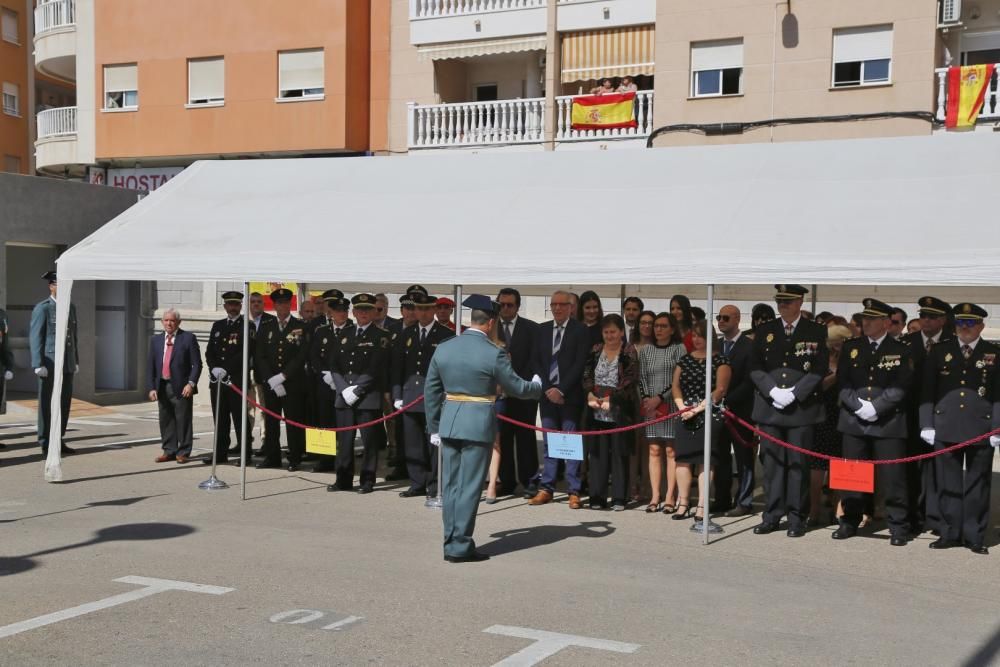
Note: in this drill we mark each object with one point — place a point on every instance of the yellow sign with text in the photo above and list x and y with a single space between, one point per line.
321 442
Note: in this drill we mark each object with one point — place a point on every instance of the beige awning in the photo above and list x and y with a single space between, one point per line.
481 47
595 54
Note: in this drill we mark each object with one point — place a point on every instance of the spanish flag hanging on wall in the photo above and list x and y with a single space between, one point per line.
967 88
603 112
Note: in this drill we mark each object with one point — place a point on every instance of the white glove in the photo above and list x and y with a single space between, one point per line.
866 411
218 372
995 441
927 435
536 380
350 395
397 404
328 379
280 391
781 398
42 372
8 375
435 439
76 369
275 381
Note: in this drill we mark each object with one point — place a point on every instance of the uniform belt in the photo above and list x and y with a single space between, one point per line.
465 398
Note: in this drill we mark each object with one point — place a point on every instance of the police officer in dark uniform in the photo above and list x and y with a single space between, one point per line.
359 371
411 356
787 365
323 339
960 401
875 374
280 354
397 457
922 487
224 356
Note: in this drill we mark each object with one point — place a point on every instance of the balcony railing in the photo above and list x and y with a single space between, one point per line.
477 123
643 116
420 9
991 104
54 14
60 122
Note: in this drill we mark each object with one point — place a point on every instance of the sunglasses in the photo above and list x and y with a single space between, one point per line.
930 316
967 324
722 318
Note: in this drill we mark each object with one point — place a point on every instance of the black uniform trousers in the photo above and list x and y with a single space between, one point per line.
922 485
45 388
965 496
420 455
745 463
176 426
292 406
786 474
372 438
604 452
518 445
326 417
227 412
891 480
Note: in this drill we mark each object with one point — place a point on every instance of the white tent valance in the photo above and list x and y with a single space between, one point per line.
483 47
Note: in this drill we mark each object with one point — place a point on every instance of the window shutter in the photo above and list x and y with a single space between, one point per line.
206 79
300 70
118 78
721 54
868 43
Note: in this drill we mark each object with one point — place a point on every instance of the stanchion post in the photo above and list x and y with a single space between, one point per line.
707 526
213 483
245 407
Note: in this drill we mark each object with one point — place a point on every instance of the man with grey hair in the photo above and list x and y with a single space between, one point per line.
172 371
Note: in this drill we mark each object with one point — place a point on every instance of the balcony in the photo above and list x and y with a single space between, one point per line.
55 148
441 21
511 123
990 112
55 39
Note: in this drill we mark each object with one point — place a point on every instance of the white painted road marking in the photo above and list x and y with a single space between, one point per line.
303 616
151 586
343 623
547 644
142 440
86 421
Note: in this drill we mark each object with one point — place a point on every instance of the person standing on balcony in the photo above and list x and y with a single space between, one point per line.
627 85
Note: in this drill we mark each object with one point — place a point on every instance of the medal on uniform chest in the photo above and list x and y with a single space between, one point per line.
324 341
218 333
854 353
270 334
409 342
982 392
806 366
343 341
770 338
948 357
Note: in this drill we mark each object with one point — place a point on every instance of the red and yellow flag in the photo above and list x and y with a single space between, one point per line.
967 88
603 112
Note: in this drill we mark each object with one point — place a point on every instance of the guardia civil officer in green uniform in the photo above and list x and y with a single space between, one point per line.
459 396
42 340
6 359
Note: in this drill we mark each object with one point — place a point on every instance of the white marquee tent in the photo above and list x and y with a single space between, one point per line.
918 211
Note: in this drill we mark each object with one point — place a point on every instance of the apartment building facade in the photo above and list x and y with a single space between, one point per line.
15 112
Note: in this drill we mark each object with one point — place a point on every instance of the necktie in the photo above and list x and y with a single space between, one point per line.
554 364
506 333
874 347
928 344
336 332
168 350
423 335
788 330
727 347
967 351
281 326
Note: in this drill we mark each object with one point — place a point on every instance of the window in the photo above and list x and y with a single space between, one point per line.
717 68
12 164
485 92
11 99
300 74
8 19
862 56
121 89
206 81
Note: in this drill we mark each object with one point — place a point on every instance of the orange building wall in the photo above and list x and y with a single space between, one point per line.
162 36
15 138
381 25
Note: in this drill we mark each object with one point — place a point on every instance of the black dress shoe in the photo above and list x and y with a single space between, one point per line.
942 543
397 476
897 541
235 451
795 532
978 549
410 493
67 451
765 528
293 467
268 464
365 488
843 532
474 557
739 510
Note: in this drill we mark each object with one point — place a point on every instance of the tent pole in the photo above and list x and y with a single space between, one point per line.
706 523
245 448
814 301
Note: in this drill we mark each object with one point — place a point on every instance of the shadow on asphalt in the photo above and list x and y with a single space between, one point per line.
117 502
120 533
985 655
517 539
37 456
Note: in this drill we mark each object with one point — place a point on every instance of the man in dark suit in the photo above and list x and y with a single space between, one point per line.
560 353
382 319
172 372
322 341
42 341
961 401
258 316
518 445
411 357
787 365
737 349
224 358
280 355
358 369
395 429
874 375
922 486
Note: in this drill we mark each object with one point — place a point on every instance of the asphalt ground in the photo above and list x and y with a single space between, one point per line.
344 579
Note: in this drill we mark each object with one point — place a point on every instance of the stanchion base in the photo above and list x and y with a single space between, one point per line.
433 503
213 483
713 528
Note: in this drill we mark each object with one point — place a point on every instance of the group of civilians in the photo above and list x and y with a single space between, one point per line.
607 86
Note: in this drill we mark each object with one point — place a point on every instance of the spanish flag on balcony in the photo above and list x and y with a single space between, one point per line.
967 88
603 112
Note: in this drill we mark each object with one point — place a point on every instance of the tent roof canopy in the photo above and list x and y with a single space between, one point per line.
854 212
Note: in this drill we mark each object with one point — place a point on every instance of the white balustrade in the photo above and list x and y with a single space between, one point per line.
58 122
435 8
642 110
54 14
991 104
476 123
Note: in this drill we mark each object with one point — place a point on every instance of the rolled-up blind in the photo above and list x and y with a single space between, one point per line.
720 54
868 43
206 79
300 70
118 78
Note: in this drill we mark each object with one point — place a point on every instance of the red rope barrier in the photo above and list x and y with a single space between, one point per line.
907 459
620 429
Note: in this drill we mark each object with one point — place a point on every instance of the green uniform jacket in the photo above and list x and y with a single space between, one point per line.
470 365
42 337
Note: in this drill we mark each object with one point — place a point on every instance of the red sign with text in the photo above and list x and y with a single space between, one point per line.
852 476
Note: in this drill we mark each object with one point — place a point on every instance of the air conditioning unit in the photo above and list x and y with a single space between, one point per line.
950 12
